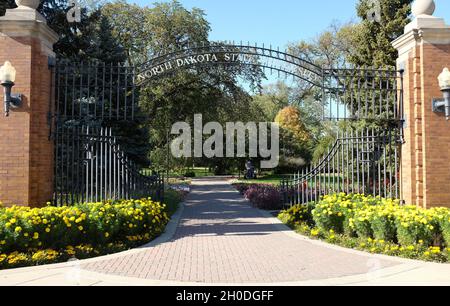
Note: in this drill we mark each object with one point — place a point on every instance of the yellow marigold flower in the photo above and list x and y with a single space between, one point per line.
315 232
47 230
3 242
18 229
436 251
80 228
12 221
36 236
106 234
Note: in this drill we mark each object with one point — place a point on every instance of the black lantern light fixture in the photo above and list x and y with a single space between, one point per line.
443 105
7 78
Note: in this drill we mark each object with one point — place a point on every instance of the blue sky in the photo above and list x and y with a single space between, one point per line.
277 22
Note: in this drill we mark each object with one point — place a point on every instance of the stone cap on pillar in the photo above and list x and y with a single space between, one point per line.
26 10
422 11
25 21
425 28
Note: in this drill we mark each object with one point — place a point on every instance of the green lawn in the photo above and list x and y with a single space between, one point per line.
200 172
273 179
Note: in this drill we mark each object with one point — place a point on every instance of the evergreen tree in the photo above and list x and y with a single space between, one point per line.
103 46
372 38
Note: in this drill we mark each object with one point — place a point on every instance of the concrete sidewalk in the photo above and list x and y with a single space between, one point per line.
216 239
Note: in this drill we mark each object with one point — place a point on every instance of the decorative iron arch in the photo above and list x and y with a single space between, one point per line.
110 91
217 53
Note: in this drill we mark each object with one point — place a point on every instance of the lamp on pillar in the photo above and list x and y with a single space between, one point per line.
443 105
7 78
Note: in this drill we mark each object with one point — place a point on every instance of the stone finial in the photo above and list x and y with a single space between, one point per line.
423 7
33 4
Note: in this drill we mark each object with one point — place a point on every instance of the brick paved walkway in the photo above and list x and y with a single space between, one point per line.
221 239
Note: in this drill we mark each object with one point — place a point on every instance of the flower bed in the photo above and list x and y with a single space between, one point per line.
263 196
31 236
376 225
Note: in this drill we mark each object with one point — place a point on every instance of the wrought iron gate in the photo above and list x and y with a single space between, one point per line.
365 157
92 96
364 162
90 165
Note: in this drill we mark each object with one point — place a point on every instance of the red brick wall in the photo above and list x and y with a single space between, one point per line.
426 153
26 154
435 129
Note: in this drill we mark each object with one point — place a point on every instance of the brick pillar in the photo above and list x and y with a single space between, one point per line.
26 152
424 50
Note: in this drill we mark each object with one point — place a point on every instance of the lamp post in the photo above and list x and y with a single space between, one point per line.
7 78
444 84
443 105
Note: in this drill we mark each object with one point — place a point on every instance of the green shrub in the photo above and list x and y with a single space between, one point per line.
190 174
298 214
383 221
444 223
362 222
416 225
336 212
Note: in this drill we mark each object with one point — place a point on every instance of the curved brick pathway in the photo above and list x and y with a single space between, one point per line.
221 239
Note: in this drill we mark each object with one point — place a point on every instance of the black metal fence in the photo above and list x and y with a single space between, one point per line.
364 161
91 167
363 94
95 91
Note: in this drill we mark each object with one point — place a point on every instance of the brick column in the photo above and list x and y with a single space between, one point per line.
424 50
26 152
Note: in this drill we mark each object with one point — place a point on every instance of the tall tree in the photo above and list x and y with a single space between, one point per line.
372 38
295 139
145 32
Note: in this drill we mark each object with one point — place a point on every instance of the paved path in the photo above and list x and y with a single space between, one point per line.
220 239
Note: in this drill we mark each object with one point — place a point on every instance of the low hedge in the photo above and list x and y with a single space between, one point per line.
45 234
369 218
